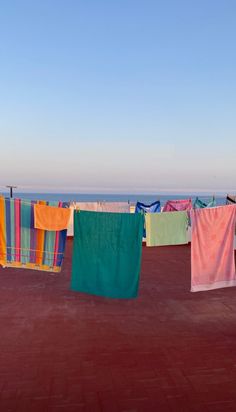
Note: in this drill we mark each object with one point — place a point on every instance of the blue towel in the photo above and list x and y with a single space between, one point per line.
154 207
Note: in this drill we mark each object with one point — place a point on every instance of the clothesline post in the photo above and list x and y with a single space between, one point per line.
11 189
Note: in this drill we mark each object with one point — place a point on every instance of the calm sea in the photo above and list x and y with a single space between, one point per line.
147 199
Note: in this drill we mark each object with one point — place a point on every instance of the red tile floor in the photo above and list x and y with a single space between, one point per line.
167 350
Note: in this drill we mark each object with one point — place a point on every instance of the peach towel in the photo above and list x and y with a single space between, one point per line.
89 206
212 248
116 207
51 218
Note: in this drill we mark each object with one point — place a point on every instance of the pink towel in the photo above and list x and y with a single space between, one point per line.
175 205
212 248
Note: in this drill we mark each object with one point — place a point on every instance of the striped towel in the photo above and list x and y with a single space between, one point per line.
21 245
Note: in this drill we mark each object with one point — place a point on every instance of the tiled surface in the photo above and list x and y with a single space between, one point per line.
169 350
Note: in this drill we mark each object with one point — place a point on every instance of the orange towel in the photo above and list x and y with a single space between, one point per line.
50 217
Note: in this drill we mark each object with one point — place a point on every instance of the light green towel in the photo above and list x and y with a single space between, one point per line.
107 253
166 228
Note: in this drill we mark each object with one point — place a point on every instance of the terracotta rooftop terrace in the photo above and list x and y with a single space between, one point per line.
168 350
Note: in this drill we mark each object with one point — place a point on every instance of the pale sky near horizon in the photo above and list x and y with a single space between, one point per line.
118 96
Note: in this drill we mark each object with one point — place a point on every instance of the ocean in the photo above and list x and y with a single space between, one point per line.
131 198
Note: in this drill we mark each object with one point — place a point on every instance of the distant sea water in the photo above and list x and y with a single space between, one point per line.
144 198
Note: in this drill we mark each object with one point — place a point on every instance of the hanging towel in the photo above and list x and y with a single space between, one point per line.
231 199
70 229
132 209
51 218
88 206
212 248
2 231
23 246
154 207
166 228
175 205
199 204
107 253
114 207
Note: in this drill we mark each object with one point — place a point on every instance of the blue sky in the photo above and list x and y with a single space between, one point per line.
118 96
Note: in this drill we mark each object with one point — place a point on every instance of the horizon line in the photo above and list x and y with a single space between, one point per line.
124 193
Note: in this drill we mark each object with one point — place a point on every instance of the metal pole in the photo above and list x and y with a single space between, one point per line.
11 189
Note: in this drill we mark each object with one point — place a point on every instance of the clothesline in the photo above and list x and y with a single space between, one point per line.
34 201
107 246
70 202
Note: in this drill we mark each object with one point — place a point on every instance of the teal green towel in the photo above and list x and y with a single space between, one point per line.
166 228
107 253
199 204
